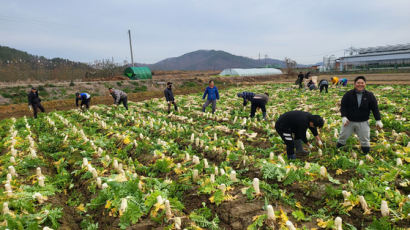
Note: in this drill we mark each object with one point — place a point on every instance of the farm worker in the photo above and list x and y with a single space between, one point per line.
119 96
334 80
307 75
311 85
300 79
213 95
247 96
292 127
85 99
169 96
343 82
355 110
259 101
323 84
34 102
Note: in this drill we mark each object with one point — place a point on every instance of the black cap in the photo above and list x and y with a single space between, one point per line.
33 88
169 83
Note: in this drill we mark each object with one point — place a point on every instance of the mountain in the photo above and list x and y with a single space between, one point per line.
212 60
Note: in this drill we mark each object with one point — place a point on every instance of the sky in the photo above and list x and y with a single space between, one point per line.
303 30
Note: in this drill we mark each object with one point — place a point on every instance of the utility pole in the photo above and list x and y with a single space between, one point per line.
132 57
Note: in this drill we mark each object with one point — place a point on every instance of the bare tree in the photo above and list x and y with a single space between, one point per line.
290 66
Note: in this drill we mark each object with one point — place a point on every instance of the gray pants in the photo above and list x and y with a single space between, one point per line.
362 130
207 102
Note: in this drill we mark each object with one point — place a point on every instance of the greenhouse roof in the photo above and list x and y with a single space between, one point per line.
250 72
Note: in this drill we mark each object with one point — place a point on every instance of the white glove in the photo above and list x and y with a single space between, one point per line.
30 107
320 143
379 124
344 120
310 146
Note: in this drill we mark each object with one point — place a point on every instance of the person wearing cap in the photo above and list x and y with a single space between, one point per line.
34 102
257 101
119 96
311 85
247 96
355 110
213 95
342 82
169 96
323 84
85 99
292 127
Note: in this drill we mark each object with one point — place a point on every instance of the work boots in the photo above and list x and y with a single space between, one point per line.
299 148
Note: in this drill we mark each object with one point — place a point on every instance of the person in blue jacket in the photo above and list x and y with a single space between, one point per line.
85 99
343 82
213 95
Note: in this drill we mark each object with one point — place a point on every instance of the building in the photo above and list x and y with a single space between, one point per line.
373 58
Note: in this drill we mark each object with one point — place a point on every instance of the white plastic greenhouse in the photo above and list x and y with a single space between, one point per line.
250 72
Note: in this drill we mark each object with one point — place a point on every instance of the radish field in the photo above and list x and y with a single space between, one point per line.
109 168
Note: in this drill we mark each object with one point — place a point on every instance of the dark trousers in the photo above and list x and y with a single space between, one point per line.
39 106
207 102
124 101
286 136
258 104
300 83
169 106
324 87
86 103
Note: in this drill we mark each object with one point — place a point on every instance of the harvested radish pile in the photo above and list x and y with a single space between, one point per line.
109 168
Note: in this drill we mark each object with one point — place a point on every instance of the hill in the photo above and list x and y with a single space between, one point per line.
212 60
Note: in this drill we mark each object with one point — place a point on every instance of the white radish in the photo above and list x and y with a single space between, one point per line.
124 204
399 162
178 223
222 187
212 179
281 160
270 213
168 212
363 203
160 200
290 225
6 209
384 208
12 171
338 223
41 181
271 155
323 171
255 184
206 163
195 176
99 182
233 176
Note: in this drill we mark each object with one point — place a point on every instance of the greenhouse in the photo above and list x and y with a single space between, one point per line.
250 72
135 73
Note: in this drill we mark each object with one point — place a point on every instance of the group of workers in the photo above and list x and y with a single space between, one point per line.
355 109
311 82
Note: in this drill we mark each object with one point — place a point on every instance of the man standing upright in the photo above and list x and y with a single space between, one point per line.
169 96
34 102
213 95
355 109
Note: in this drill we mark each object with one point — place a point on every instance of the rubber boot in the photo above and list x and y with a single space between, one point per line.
291 156
299 148
365 149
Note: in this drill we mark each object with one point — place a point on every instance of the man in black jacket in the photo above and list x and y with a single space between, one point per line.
292 127
34 102
300 79
169 96
355 109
